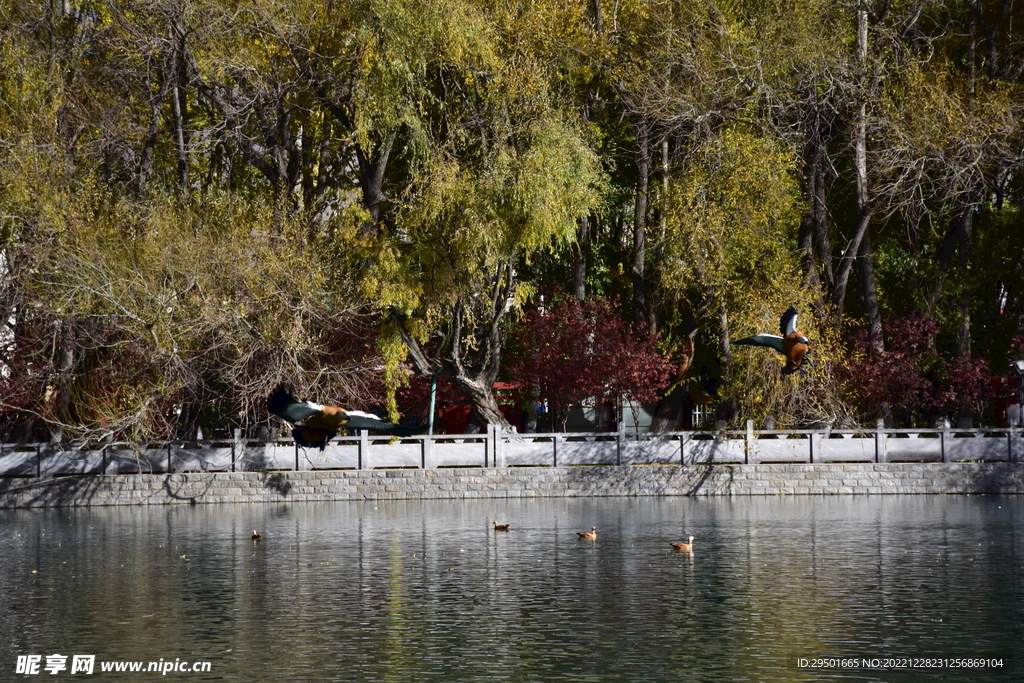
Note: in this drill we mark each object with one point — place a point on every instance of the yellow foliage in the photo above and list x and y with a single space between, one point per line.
731 227
218 291
732 219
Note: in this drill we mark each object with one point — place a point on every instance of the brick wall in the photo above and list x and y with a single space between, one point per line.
518 482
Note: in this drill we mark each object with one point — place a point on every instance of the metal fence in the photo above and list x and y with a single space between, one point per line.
496 449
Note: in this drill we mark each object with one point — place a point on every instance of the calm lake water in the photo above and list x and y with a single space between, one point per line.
427 591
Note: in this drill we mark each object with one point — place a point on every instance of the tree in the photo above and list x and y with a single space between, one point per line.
472 226
910 378
504 174
163 342
435 163
574 351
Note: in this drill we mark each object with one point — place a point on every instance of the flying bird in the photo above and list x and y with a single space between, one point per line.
315 425
792 344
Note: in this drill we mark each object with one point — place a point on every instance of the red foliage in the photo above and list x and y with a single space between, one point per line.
575 351
213 383
1017 347
414 399
965 380
910 376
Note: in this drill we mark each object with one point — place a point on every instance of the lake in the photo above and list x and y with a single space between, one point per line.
791 588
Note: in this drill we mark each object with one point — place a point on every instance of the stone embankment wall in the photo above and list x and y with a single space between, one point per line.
516 482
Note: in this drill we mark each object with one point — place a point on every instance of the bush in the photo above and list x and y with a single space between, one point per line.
911 381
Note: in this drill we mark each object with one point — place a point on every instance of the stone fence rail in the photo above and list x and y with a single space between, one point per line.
496 449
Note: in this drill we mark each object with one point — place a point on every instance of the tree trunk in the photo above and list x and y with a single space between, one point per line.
958 238
808 230
371 168
726 350
726 407
145 168
865 208
819 210
643 165
654 306
963 330
869 294
481 396
963 335
372 175
58 394
473 369
666 414
579 258
914 248
179 103
846 264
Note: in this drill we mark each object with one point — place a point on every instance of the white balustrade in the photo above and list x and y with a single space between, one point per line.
495 449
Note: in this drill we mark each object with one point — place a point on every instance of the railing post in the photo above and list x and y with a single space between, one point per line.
880 440
555 439
236 447
684 443
364 450
748 439
619 439
425 451
499 449
489 444
496 436
944 444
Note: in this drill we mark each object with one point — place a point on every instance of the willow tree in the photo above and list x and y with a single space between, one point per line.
164 339
149 276
732 225
37 177
489 195
949 143
445 122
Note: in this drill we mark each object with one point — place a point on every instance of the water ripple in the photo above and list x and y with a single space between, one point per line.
427 591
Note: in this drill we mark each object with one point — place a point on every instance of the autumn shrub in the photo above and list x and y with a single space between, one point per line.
149 320
572 352
910 380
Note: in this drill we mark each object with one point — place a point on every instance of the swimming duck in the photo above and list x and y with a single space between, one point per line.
315 424
793 344
256 536
588 535
500 527
684 547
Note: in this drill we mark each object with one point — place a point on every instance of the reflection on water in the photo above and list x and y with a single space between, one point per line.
427 591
